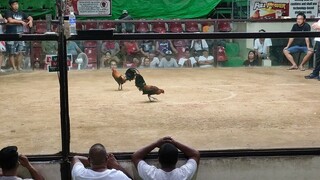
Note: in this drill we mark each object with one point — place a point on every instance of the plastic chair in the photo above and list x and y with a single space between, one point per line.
142 27
41 27
224 26
159 27
91 25
192 26
175 27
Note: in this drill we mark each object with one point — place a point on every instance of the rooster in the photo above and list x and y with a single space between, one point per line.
120 79
131 73
147 89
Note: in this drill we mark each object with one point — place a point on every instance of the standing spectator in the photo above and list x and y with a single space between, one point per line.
102 166
251 60
168 61
315 72
2 43
187 60
163 46
9 163
16 23
205 60
261 46
197 46
73 49
168 157
126 27
296 45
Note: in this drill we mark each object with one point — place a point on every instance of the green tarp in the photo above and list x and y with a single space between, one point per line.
138 9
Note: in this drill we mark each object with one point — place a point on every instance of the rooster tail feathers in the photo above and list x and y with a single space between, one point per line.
139 81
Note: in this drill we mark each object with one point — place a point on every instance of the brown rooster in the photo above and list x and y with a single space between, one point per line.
120 79
147 89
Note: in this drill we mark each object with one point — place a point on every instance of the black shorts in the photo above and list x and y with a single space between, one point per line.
15 47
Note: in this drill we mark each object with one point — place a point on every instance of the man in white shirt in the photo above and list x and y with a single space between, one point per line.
261 46
186 60
197 46
168 61
205 60
168 157
102 166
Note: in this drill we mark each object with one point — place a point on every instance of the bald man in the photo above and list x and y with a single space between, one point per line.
102 166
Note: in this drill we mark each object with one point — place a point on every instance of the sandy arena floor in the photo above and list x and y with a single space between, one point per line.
221 108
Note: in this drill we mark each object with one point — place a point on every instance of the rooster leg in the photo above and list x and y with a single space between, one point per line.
152 98
119 87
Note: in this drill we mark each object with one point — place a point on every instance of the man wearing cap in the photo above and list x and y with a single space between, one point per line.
16 23
168 61
126 27
168 157
9 163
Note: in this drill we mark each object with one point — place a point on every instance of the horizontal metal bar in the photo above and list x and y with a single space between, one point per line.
28 37
203 154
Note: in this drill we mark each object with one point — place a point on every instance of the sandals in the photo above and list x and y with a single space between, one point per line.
302 68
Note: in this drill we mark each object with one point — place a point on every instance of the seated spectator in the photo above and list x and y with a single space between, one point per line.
252 59
208 26
186 60
155 61
99 165
205 60
126 27
107 58
145 62
168 61
73 49
181 45
9 163
111 47
261 46
168 157
147 46
163 46
197 46
132 52
113 64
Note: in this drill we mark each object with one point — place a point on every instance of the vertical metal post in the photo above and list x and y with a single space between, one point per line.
64 99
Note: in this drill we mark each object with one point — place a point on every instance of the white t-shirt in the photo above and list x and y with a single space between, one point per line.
185 172
183 59
155 62
199 46
79 172
202 58
12 178
262 48
167 64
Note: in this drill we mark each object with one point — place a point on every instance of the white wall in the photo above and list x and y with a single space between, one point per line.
232 168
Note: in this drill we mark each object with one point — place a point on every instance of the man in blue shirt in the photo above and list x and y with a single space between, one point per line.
16 23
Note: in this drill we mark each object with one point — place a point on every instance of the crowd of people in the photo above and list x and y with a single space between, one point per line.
102 165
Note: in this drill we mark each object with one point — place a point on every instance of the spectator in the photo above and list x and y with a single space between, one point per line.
315 72
197 46
252 59
147 46
113 48
208 26
145 62
2 43
106 60
9 163
187 60
73 49
181 45
132 54
126 27
164 46
298 45
168 157
102 166
168 61
155 61
49 47
113 64
261 46
205 60
16 24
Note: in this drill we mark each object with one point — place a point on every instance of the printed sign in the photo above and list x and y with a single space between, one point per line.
262 9
308 7
88 7
53 63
